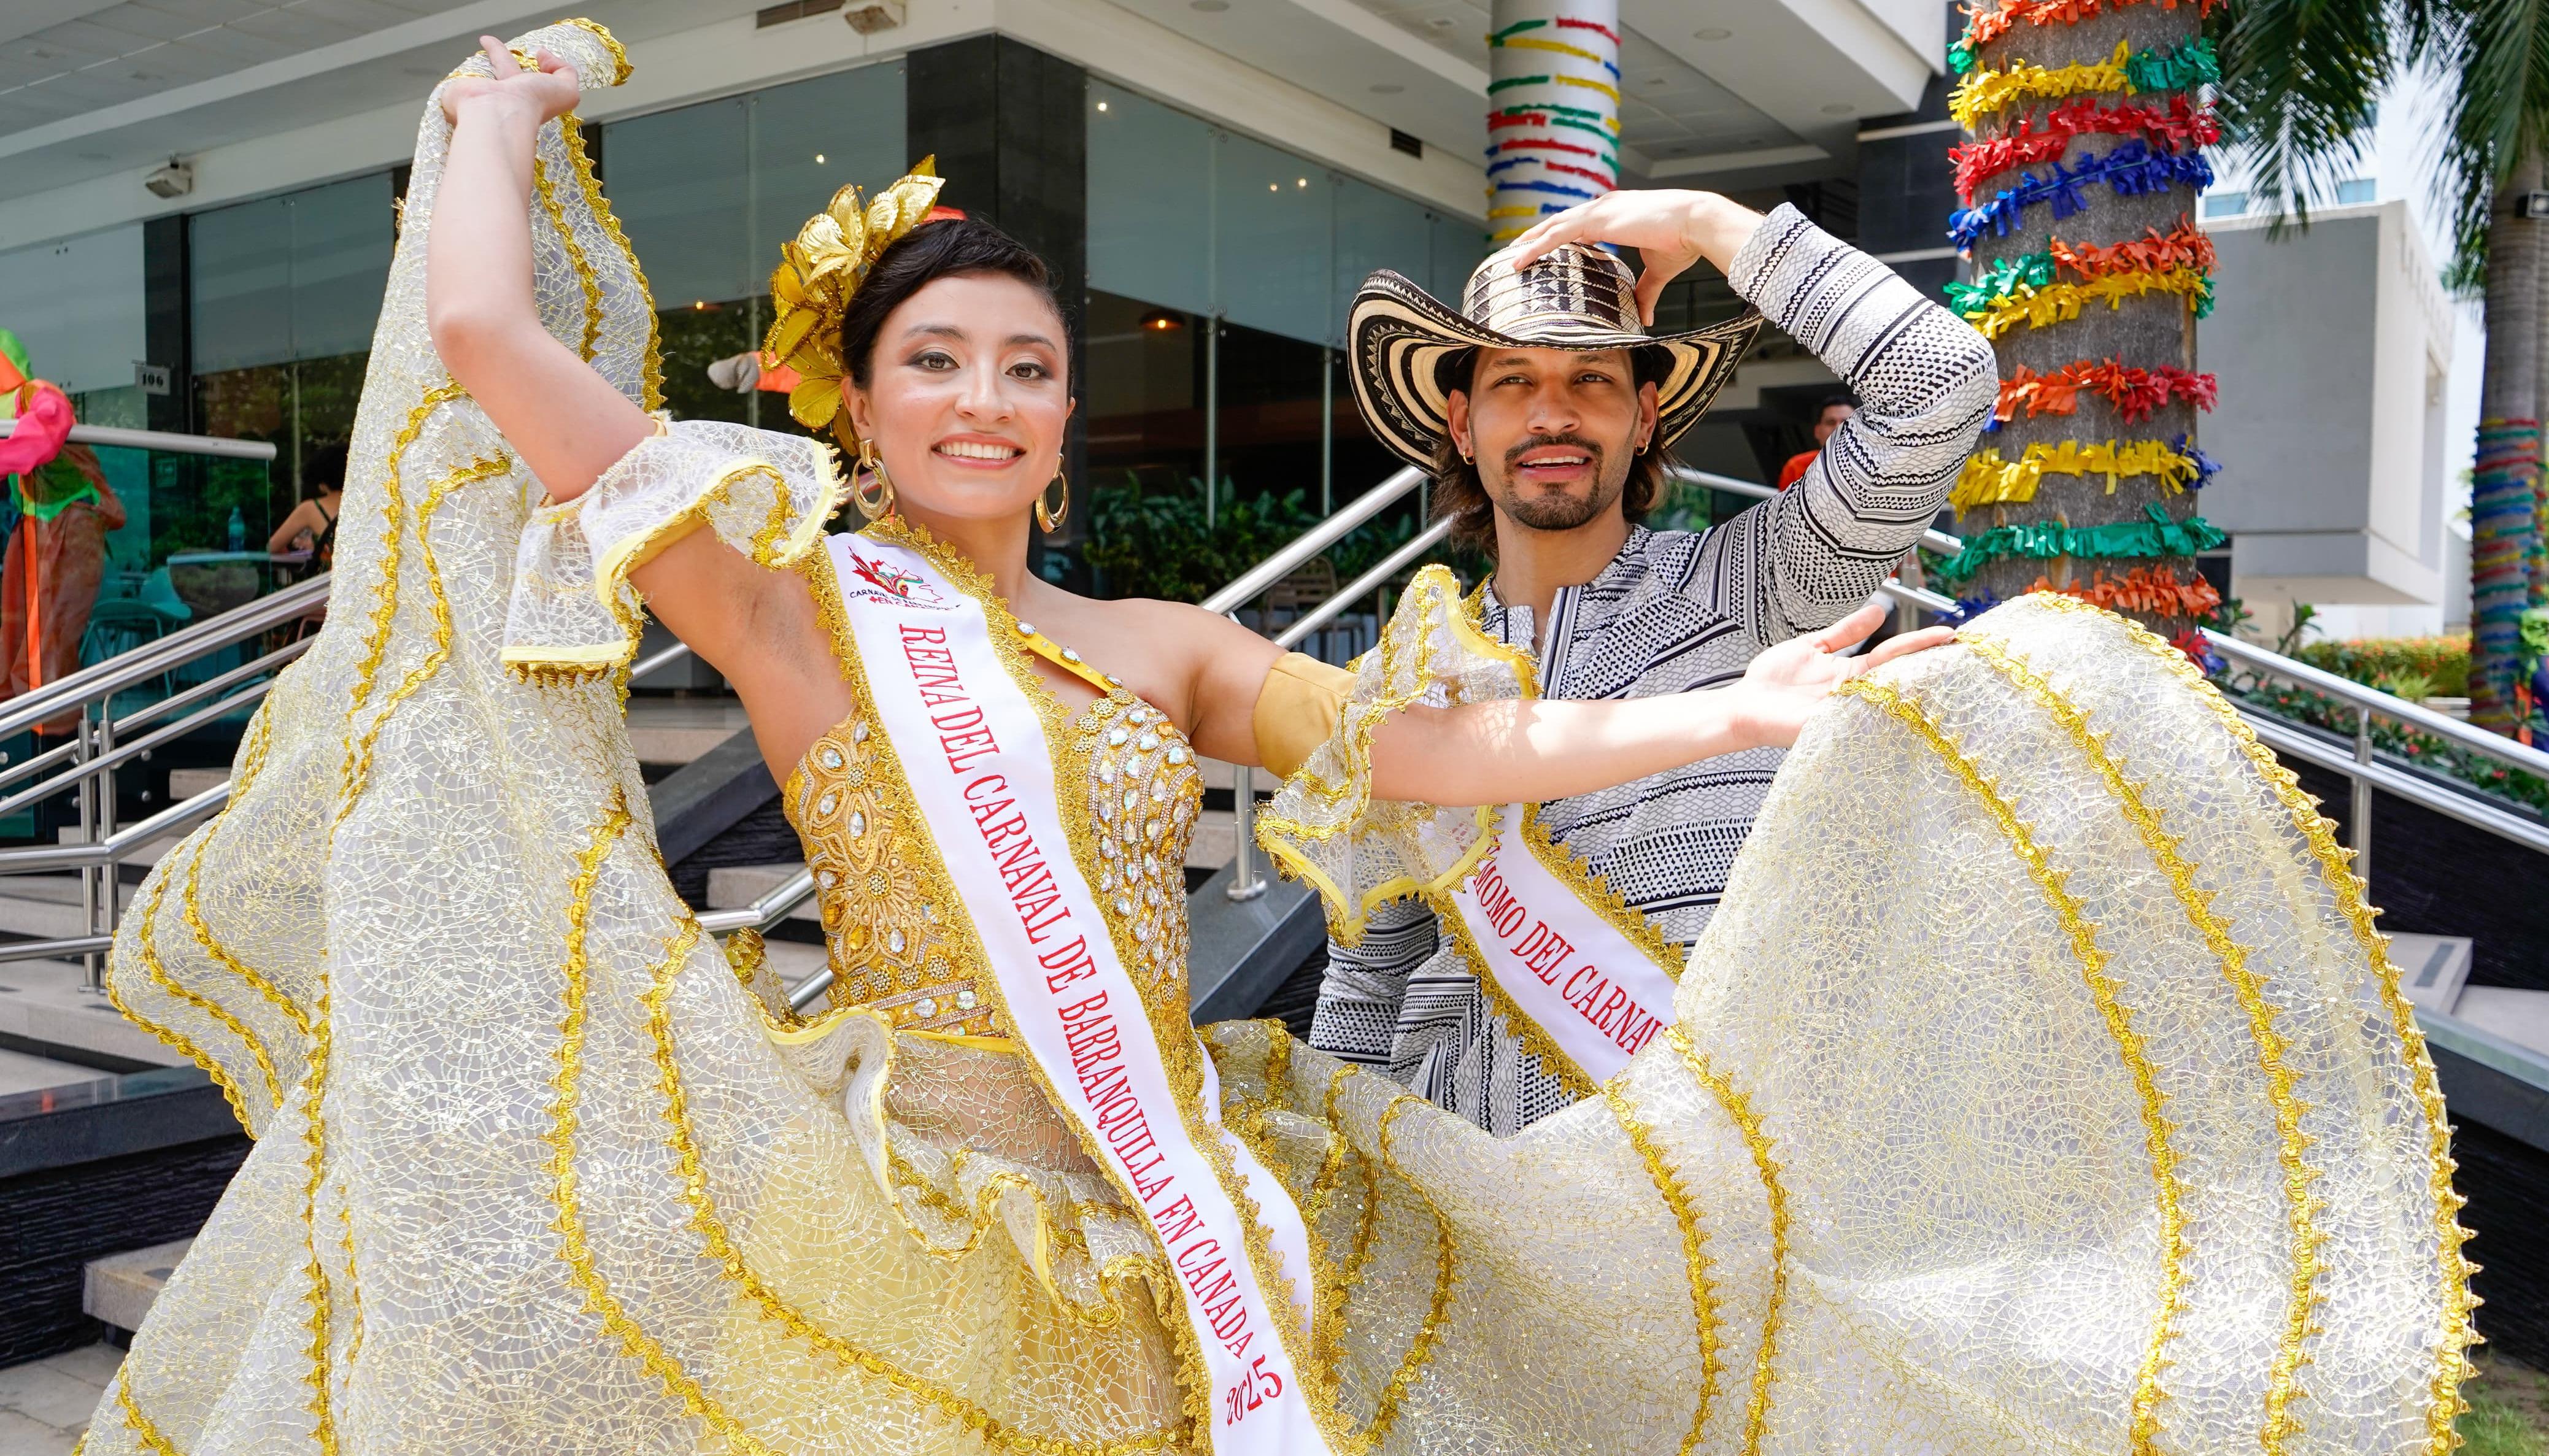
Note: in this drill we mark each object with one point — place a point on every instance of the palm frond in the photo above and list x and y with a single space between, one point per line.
2301 85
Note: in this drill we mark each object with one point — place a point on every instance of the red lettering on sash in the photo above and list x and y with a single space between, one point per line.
1065 964
1177 1220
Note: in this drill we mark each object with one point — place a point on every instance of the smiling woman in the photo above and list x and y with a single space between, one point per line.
541 1166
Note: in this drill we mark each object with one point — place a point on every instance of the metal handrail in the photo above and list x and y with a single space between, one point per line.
1254 583
766 911
1364 585
2264 659
273 662
161 440
161 655
115 846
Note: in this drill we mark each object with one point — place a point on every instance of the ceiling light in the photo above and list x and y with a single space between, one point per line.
1161 321
819 158
1101 106
1302 182
1274 186
1713 32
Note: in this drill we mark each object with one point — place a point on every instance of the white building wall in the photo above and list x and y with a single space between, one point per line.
2327 345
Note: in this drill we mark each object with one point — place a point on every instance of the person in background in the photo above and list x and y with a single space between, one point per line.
1830 415
67 510
312 526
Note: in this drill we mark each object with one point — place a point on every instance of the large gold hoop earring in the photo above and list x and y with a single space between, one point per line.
1052 519
872 473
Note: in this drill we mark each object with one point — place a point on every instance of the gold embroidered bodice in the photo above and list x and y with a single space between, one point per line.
886 913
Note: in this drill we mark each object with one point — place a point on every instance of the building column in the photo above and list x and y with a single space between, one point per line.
1009 127
168 327
1552 109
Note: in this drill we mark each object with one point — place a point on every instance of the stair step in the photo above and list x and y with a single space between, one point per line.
2432 968
185 784
48 1002
120 1287
2518 1015
24 1071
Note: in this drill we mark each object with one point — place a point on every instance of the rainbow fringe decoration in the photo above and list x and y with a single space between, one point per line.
2504 522
2043 540
2131 71
2130 171
1554 127
1990 480
1986 23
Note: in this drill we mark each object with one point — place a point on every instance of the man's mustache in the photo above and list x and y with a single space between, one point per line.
1593 451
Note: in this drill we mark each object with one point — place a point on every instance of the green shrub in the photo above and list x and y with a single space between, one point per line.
2442 662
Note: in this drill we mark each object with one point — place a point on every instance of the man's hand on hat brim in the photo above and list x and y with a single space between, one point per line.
1670 229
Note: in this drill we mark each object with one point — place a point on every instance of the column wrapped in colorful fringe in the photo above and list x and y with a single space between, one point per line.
1552 109
2080 182
2505 529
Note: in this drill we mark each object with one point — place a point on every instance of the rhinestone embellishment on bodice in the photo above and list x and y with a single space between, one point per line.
878 884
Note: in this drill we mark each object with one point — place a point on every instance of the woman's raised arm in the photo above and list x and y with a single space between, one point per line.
566 421
1532 750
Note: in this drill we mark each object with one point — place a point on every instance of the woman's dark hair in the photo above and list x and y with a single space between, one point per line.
324 469
1460 497
947 249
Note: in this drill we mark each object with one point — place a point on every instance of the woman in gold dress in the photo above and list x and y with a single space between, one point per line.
2112 1133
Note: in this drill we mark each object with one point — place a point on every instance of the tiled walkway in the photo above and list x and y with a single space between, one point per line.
45 1406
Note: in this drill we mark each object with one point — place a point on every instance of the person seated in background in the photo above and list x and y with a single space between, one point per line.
1830 415
312 526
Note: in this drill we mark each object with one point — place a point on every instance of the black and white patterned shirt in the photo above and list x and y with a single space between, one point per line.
1674 611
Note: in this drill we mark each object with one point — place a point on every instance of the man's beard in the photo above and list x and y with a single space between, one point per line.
1558 511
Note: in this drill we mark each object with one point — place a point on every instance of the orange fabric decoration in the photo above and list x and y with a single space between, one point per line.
2155 591
2136 394
2182 246
1986 24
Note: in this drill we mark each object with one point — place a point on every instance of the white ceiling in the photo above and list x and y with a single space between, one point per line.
96 86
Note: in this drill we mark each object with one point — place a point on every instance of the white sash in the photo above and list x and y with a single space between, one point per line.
973 749
1583 979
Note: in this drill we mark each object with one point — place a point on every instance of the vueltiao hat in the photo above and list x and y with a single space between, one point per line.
1574 298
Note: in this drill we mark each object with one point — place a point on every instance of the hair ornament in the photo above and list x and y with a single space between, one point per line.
810 288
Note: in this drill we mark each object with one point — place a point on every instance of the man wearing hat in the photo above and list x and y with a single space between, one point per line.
1546 410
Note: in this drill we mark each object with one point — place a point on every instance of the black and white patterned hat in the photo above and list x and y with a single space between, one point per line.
1575 298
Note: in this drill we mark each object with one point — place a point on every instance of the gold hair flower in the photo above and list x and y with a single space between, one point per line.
811 289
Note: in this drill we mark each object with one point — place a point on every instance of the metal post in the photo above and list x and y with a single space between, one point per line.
1246 883
86 794
108 874
2361 835
1327 432
1212 420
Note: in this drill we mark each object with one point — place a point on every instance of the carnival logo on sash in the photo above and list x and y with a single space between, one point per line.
892 580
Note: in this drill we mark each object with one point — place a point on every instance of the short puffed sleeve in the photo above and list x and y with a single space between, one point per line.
573 611
1325 827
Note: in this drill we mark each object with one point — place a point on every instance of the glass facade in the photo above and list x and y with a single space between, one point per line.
1220 270
708 193
282 295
